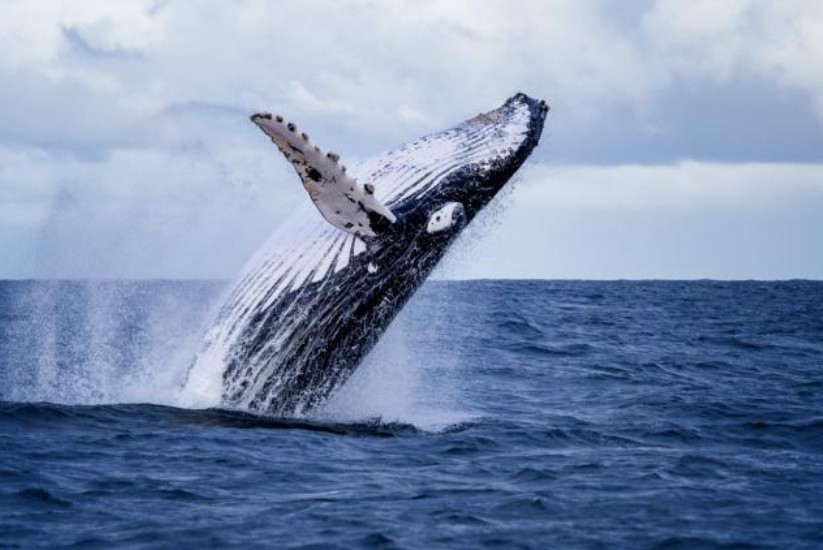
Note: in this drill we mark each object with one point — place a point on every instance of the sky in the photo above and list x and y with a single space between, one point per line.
685 139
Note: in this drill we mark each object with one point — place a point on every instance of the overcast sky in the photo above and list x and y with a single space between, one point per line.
685 138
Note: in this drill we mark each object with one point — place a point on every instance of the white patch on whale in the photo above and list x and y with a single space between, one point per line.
445 217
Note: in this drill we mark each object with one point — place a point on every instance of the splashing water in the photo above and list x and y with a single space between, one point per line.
95 342
393 385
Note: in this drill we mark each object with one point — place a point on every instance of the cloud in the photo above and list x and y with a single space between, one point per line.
674 187
781 42
365 61
126 139
682 220
33 33
83 46
139 214
369 65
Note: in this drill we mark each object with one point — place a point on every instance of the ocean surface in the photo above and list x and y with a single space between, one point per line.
532 414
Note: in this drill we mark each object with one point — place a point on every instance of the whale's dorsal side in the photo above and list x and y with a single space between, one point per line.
345 202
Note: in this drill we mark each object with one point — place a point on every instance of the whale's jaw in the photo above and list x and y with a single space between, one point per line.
316 299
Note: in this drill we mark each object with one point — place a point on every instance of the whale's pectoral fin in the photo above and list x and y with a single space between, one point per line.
345 203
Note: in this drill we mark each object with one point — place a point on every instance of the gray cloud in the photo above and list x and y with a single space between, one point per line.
137 112
683 220
80 45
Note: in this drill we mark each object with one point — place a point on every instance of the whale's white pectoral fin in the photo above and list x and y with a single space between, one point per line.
345 203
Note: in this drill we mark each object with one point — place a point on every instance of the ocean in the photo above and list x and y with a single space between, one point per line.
493 414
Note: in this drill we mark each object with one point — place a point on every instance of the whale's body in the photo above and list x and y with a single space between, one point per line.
316 298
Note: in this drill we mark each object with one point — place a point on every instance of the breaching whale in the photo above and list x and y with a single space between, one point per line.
323 289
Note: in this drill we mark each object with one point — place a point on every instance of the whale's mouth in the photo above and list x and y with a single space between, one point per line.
318 296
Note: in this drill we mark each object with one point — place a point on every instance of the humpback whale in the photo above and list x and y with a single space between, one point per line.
319 294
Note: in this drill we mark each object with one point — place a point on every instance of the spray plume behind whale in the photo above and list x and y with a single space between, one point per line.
319 294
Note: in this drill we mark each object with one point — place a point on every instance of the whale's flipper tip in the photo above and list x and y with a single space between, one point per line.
261 116
343 201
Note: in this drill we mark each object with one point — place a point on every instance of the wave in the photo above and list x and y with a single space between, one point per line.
106 416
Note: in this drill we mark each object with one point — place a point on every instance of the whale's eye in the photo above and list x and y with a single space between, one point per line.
446 217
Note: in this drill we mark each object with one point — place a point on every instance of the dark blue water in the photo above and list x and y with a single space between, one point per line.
495 414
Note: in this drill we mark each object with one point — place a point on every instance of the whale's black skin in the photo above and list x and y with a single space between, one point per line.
287 352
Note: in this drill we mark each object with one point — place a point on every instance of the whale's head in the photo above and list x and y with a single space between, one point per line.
436 185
